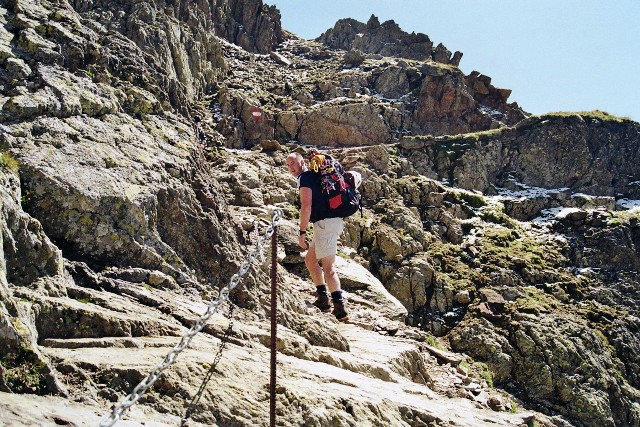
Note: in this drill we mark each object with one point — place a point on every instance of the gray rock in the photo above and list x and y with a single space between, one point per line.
353 58
17 69
552 143
112 182
344 125
385 39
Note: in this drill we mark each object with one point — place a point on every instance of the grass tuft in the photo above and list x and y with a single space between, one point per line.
7 161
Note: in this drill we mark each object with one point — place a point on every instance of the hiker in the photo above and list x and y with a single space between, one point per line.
326 231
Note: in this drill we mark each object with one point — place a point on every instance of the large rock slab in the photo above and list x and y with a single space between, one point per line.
344 125
353 275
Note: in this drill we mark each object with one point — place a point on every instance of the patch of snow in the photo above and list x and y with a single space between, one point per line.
490 111
547 215
235 150
556 213
566 211
527 192
404 99
332 100
631 205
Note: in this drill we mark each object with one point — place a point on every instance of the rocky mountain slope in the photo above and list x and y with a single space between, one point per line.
492 279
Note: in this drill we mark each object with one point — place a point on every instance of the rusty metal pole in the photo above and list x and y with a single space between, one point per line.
274 324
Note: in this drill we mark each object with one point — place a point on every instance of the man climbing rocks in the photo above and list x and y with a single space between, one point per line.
324 246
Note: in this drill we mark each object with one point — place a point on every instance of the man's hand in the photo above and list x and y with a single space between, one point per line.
302 241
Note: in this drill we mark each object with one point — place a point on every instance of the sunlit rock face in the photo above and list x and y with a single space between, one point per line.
491 276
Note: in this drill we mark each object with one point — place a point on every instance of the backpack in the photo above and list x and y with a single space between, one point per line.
338 187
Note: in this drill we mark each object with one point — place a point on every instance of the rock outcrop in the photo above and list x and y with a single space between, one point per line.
323 100
500 289
447 102
27 257
147 54
491 280
252 25
591 152
386 39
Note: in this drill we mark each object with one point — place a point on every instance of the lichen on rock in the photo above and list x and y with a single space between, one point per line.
492 274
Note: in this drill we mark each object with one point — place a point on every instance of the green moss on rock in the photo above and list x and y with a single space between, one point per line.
535 301
7 161
23 372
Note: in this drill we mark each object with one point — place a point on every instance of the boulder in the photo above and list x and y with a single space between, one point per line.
411 282
445 106
392 83
354 276
353 58
344 125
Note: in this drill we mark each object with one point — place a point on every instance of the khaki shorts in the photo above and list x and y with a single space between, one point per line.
326 233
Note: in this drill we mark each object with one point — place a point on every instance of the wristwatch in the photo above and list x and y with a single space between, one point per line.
303 232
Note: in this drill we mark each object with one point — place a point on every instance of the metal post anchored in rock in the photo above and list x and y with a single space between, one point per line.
274 325
258 253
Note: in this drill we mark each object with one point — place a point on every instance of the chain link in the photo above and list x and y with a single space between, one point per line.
193 406
155 374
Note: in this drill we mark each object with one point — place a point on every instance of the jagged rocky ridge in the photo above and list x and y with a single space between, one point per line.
386 39
510 247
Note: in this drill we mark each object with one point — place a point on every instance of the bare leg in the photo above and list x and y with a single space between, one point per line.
330 274
314 268
333 282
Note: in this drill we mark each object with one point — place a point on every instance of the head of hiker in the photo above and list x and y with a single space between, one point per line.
322 248
296 164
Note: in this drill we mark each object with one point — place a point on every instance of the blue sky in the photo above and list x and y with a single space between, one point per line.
562 55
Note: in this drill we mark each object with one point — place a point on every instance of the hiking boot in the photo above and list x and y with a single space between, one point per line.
322 302
339 311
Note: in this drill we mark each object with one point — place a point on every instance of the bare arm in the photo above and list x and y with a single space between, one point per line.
305 213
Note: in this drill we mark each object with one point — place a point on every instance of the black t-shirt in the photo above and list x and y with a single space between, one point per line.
319 205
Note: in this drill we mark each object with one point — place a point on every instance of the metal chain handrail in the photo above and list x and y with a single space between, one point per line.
155 374
198 395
